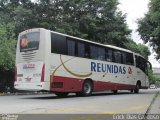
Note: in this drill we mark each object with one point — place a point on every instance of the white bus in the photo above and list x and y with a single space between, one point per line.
59 63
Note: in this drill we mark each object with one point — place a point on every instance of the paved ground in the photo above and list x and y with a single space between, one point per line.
155 107
101 103
101 106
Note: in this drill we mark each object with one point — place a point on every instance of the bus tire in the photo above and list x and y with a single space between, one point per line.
115 91
87 88
131 91
61 94
136 90
79 94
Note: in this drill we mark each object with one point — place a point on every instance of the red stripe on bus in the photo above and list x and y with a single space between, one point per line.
69 84
66 84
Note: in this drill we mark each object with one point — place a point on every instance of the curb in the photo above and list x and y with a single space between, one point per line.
2 94
151 106
25 93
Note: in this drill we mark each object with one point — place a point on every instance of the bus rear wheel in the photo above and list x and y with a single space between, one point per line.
115 91
87 88
61 94
136 90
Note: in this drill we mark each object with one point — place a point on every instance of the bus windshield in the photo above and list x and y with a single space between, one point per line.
29 41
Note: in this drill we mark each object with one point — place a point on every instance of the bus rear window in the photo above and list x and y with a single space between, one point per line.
29 41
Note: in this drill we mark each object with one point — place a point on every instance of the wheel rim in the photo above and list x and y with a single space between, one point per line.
87 88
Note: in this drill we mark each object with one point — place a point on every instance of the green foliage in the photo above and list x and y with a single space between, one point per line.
18 12
138 48
149 26
150 76
7 47
96 20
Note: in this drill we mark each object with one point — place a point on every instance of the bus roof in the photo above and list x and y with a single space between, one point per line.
81 39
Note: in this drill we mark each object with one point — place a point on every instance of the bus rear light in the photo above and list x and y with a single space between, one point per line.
42 76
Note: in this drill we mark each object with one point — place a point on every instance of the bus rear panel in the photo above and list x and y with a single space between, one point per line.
30 62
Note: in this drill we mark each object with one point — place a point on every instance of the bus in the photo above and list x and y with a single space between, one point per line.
63 64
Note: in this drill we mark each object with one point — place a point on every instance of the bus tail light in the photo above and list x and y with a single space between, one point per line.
15 73
42 76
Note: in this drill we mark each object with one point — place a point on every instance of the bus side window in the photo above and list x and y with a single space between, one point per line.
58 44
129 59
117 56
71 47
87 50
137 61
109 55
124 57
97 53
141 63
93 52
142 66
81 49
101 53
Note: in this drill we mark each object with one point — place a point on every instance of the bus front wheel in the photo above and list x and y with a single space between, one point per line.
136 90
131 91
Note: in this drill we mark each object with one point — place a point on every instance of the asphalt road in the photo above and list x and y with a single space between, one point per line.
99 103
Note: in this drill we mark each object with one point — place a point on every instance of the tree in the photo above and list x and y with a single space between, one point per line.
7 47
96 20
7 55
93 20
149 26
18 12
138 48
151 77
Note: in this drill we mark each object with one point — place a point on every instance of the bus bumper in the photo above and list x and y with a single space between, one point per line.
32 86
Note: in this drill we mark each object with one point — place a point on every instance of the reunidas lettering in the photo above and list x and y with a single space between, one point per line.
108 68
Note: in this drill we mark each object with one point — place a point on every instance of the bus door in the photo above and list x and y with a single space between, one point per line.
148 70
141 65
